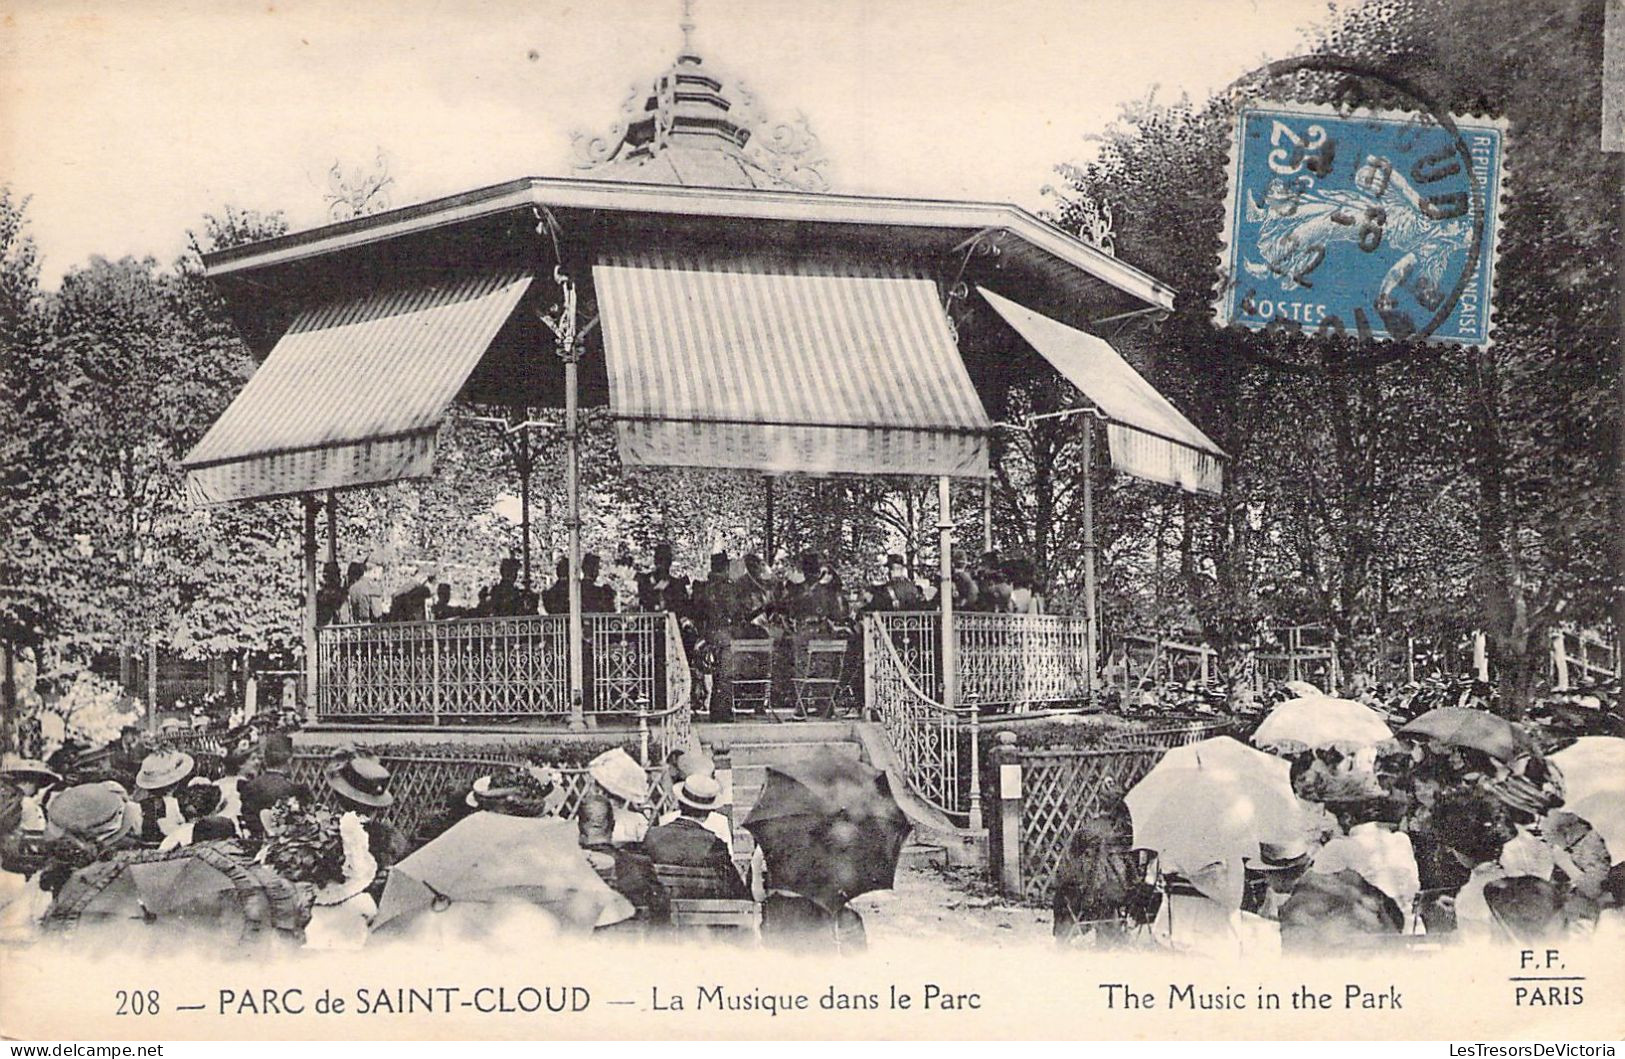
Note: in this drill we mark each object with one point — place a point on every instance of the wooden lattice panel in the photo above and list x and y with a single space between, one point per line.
1064 788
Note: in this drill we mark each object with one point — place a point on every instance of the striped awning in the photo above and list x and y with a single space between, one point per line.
785 366
1147 436
355 390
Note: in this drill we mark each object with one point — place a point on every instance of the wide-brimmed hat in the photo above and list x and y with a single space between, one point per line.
92 812
699 792
616 772
163 768
360 777
1288 855
14 765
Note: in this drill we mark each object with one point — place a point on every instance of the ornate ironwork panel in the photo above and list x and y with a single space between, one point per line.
621 660
1015 661
922 732
429 671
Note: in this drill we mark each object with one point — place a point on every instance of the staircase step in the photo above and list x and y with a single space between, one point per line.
778 753
919 854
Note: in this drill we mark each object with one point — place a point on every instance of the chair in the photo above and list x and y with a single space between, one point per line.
717 916
750 671
818 677
698 904
685 881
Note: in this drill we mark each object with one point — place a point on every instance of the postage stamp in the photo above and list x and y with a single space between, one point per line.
1375 223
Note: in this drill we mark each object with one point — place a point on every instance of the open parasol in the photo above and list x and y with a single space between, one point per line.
829 829
1320 720
1605 812
1592 764
1192 817
149 899
1329 909
1473 729
493 859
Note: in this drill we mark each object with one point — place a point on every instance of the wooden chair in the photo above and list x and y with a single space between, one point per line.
683 881
741 918
750 670
818 677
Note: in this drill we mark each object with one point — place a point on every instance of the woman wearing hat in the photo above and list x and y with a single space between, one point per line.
623 782
93 822
360 786
521 790
331 857
32 780
162 773
199 800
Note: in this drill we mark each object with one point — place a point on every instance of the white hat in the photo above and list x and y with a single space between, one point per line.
616 772
699 792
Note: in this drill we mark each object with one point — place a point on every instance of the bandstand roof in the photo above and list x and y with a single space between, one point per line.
797 331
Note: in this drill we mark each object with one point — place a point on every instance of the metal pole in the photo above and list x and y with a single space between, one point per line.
987 514
950 661
767 528
1091 644
572 472
332 528
311 505
524 499
1619 444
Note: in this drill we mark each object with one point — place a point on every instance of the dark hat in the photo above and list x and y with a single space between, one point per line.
811 563
719 561
1289 855
212 828
893 559
200 798
360 777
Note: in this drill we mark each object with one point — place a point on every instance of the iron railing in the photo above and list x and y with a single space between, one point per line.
1014 661
924 734
472 669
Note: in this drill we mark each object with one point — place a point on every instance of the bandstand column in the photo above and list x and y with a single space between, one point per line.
310 505
987 514
950 661
572 434
332 528
1092 643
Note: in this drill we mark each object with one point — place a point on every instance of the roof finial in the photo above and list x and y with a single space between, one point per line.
687 26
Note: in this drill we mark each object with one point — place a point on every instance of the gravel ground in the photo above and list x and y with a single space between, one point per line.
957 903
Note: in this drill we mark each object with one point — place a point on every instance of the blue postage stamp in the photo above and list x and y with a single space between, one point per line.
1379 224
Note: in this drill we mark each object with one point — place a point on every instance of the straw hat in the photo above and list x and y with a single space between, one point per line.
362 778
699 792
616 772
14 765
163 768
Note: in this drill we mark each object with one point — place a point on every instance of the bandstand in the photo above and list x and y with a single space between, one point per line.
698 281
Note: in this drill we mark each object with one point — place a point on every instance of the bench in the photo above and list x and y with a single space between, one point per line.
716 915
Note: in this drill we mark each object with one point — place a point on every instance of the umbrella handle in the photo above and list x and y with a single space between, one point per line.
440 902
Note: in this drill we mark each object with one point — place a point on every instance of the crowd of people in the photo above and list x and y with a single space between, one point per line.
336 846
1412 841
